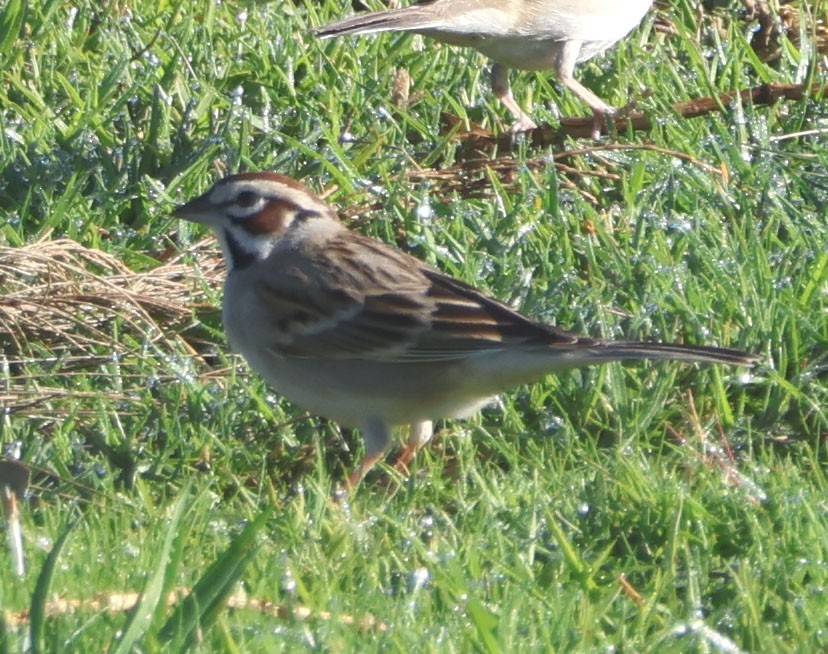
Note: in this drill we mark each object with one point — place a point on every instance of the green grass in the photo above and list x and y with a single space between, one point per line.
703 487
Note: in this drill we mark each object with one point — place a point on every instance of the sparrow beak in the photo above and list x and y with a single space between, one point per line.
197 210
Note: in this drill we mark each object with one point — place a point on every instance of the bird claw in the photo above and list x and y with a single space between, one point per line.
523 124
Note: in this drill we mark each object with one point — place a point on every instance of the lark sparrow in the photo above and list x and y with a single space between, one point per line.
523 34
359 332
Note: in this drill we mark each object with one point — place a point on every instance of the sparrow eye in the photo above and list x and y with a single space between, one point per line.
247 199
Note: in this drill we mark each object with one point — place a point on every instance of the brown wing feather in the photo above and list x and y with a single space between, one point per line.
389 306
351 299
464 313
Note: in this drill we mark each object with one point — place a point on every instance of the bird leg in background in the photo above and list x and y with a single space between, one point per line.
376 435
419 433
503 92
565 70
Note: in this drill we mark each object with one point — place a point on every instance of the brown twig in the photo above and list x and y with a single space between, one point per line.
478 139
470 178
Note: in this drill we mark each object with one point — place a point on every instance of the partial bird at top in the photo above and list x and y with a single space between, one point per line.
523 34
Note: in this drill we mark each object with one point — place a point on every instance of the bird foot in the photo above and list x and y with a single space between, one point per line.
603 118
523 124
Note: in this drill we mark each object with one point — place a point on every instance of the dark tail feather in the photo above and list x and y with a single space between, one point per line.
406 19
621 350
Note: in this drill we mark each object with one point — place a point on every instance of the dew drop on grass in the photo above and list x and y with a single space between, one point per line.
13 450
424 211
340 496
182 368
14 135
131 550
418 580
287 583
524 230
781 283
553 425
218 526
152 59
427 528
459 607
745 378
372 186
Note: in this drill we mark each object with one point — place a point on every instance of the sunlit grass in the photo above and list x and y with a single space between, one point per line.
660 508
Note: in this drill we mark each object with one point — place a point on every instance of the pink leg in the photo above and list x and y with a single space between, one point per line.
377 435
503 92
565 71
362 469
419 433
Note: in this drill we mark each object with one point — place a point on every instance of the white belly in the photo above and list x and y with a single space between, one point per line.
534 40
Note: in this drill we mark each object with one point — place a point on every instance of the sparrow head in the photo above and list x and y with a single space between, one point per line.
251 212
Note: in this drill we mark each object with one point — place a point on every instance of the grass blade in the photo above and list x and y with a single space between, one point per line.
485 622
37 610
140 618
11 20
200 608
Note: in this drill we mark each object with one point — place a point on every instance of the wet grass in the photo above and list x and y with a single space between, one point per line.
657 508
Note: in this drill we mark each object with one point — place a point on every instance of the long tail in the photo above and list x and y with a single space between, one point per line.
405 19
517 365
621 350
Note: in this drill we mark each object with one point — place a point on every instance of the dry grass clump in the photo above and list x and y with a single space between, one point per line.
64 295
66 309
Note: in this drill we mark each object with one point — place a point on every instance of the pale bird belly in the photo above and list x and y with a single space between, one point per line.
522 53
351 390
537 42
348 392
